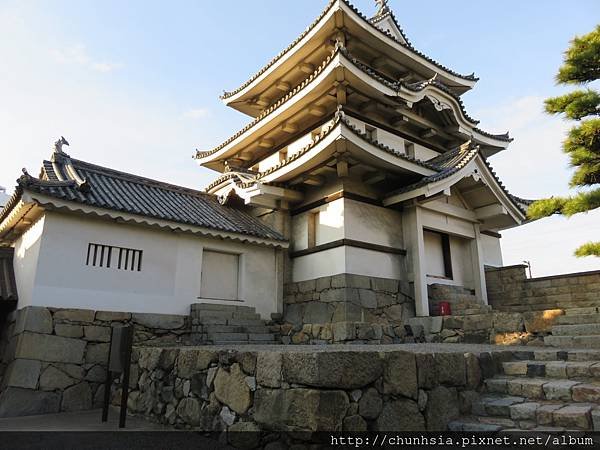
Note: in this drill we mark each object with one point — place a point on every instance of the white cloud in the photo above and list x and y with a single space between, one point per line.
194 114
77 54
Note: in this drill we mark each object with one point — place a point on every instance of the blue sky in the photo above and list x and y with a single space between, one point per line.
134 85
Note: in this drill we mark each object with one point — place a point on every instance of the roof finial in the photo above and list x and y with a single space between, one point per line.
382 7
58 145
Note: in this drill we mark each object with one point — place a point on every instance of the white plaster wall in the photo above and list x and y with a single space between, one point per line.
268 162
424 153
360 261
329 226
492 252
373 224
322 264
391 140
25 262
168 282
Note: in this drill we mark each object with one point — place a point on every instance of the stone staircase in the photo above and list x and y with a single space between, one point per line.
229 325
578 327
463 301
551 392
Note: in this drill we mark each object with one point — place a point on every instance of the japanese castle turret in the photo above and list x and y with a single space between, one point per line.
360 152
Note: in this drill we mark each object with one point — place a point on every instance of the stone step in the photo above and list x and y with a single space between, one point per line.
217 307
518 413
230 343
545 389
580 311
227 337
573 341
235 329
553 369
210 314
578 319
472 424
261 337
587 329
548 354
245 322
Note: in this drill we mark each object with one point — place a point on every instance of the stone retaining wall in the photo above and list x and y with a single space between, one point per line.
345 307
55 359
510 290
306 388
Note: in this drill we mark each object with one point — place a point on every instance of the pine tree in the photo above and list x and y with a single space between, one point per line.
581 67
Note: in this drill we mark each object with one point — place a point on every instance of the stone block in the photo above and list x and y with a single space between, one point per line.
364 331
384 285
16 402
358 281
192 360
368 299
53 378
300 409
67 330
354 423
96 374
293 314
343 331
451 369
473 371
244 435
400 374
559 390
395 313
400 415
307 286
35 319
477 322
77 398
97 353
96 334
23 373
188 410
508 322
431 325
323 283
74 315
159 321
317 312
112 316
442 407
347 312
384 300
589 393
339 369
573 416
370 404
45 347
453 322
426 370
167 358
231 389
524 411
269 367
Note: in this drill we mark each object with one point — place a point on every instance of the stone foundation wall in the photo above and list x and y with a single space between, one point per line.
509 289
306 388
54 359
345 307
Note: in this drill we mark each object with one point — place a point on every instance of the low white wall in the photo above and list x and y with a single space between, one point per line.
492 251
168 283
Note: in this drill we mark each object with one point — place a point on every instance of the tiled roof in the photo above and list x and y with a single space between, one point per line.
8 286
371 22
447 165
106 188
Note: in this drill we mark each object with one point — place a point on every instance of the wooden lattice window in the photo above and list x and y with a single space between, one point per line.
109 256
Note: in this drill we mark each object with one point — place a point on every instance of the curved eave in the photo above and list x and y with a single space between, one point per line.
326 148
275 115
370 81
47 202
262 79
483 170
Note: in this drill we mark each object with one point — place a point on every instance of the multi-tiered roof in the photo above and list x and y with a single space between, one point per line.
314 107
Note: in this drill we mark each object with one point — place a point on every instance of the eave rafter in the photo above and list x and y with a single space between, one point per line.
338 14
341 64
